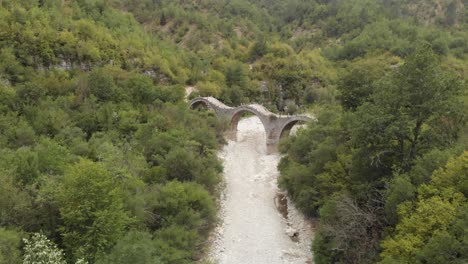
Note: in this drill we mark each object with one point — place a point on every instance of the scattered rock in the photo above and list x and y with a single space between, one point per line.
291 232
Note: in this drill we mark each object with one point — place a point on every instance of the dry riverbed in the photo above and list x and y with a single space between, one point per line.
258 224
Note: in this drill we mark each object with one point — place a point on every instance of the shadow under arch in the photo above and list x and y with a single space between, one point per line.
286 129
200 104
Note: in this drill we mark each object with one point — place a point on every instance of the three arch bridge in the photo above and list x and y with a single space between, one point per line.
276 126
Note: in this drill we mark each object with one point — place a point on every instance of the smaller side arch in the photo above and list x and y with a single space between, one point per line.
200 103
286 129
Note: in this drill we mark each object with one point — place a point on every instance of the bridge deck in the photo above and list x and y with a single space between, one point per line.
254 106
274 124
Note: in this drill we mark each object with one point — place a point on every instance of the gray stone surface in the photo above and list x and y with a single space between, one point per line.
276 126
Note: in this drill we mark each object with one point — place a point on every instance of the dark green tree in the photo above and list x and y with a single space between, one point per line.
91 209
10 242
407 107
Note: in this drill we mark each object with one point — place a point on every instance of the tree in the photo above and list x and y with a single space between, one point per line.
318 161
185 204
356 86
15 203
135 247
10 242
91 209
27 166
400 190
141 89
348 231
101 84
433 230
406 109
177 244
236 75
182 165
258 49
52 158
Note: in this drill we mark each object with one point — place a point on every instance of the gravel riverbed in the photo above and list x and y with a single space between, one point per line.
252 229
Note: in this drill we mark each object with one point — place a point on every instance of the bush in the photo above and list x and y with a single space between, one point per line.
176 244
135 247
40 250
184 204
10 242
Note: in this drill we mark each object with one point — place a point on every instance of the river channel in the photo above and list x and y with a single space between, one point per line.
258 224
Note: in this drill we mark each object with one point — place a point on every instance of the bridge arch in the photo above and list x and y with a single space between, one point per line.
200 102
238 114
276 126
286 128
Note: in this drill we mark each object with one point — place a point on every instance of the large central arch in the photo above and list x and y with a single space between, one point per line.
237 115
276 126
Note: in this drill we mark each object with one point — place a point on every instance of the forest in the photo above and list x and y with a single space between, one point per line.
101 160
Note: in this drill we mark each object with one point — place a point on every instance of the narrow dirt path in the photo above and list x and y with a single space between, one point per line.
253 231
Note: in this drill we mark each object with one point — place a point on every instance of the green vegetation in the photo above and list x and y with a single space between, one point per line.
365 166
102 162
98 149
433 228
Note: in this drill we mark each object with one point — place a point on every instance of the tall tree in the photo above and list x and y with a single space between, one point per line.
91 209
407 110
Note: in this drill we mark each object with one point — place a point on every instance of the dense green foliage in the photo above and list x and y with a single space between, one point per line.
98 149
102 162
360 169
362 166
433 228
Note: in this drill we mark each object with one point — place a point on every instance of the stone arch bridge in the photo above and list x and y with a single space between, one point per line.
276 126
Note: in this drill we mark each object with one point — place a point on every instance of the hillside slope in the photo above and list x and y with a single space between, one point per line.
99 153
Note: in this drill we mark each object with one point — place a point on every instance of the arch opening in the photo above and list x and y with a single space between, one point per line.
286 130
200 105
248 128
233 125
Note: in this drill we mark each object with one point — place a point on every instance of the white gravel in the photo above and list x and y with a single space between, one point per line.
252 229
